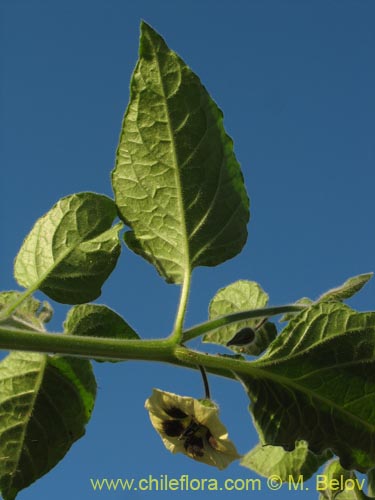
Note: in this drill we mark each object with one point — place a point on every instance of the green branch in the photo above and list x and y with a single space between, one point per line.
267 312
106 349
82 346
119 349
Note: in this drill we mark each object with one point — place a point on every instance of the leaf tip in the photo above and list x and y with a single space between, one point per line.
147 29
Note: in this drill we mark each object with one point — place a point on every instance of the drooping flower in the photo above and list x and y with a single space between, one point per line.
191 426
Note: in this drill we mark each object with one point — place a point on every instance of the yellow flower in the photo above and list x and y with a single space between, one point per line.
191 426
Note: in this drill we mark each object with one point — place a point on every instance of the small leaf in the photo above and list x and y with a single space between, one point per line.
342 292
177 182
240 296
31 314
95 320
71 250
274 460
316 383
45 403
341 484
347 289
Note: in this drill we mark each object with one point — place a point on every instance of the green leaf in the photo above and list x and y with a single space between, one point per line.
274 460
345 291
31 314
97 321
341 484
348 289
177 182
45 403
71 250
240 296
316 383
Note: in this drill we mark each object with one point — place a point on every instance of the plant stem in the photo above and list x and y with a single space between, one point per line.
94 347
86 347
207 392
176 336
163 350
213 363
118 349
198 330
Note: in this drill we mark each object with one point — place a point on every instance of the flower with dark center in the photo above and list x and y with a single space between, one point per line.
191 426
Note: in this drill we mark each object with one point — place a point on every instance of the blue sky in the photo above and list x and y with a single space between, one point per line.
295 80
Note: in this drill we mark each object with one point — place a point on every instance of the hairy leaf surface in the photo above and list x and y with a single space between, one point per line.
345 291
317 383
177 182
71 250
348 289
45 403
236 297
274 460
31 314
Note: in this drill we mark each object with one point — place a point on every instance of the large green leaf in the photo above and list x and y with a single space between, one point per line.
316 383
239 296
177 182
71 250
95 320
274 460
45 403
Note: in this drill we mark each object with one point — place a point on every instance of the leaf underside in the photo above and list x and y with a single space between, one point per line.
349 288
71 250
45 403
177 182
343 292
274 460
316 383
240 296
337 476
31 314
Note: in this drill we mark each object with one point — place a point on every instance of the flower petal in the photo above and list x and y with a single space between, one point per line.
190 426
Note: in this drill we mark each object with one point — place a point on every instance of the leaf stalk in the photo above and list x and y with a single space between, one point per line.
177 335
213 324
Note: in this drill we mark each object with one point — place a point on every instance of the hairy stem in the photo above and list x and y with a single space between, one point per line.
267 312
87 347
177 336
117 349
94 347
162 350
